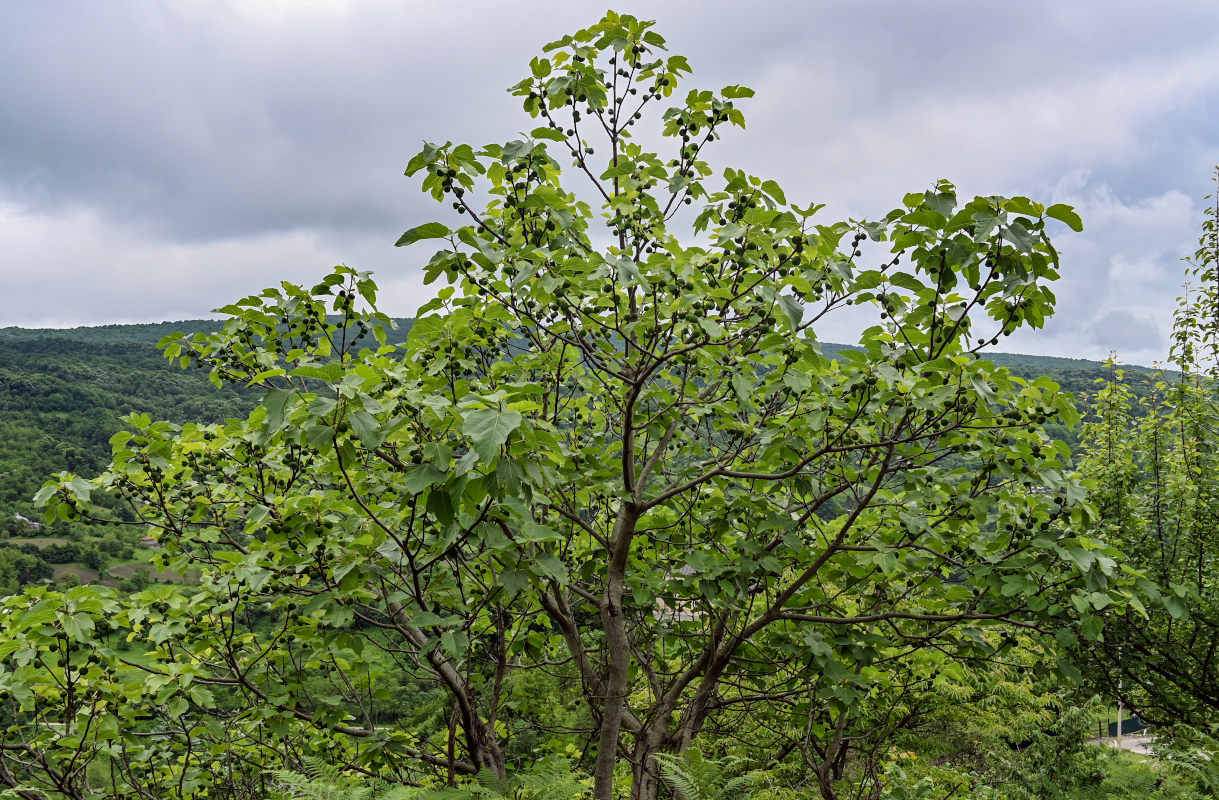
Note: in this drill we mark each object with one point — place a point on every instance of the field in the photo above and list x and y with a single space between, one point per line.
83 573
164 576
37 541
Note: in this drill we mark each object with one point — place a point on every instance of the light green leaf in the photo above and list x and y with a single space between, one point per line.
429 230
536 532
1065 214
202 696
78 626
1023 205
425 619
40 614
552 566
630 273
772 189
274 401
792 308
81 489
906 281
548 133
1176 606
489 428
44 494
712 328
540 67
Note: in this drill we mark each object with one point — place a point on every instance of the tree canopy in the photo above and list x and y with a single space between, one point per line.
1152 462
610 459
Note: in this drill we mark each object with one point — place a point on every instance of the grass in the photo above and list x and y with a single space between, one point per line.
127 569
83 573
1128 776
37 541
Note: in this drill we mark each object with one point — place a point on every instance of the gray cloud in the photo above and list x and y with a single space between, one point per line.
159 158
1122 332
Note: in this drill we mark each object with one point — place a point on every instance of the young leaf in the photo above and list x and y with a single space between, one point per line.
1065 214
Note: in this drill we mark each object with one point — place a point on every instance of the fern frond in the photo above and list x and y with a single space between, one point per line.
696 777
309 787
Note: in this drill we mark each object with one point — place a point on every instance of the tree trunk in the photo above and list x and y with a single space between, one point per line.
619 658
618 654
484 751
645 772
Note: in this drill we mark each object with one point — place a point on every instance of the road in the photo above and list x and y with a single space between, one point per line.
1134 742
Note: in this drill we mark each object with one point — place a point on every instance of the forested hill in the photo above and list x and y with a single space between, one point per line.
1079 376
1075 375
138 334
63 392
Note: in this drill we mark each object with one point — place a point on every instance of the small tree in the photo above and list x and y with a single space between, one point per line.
1157 498
602 452
93 558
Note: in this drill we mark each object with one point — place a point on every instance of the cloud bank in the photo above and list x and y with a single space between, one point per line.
160 159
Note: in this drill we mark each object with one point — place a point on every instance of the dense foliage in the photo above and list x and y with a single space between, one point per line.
1154 462
63 394
609 521
630 469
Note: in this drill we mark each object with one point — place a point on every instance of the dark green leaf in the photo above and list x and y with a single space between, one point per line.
274 402
366 427
420 476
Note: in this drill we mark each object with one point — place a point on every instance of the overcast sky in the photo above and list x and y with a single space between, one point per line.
160 159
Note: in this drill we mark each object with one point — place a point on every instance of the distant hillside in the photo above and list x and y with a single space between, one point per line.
63 391
1041 364
143 333
1079 376
1045 362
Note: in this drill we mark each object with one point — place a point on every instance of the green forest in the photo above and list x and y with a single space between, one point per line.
64 393
605 518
